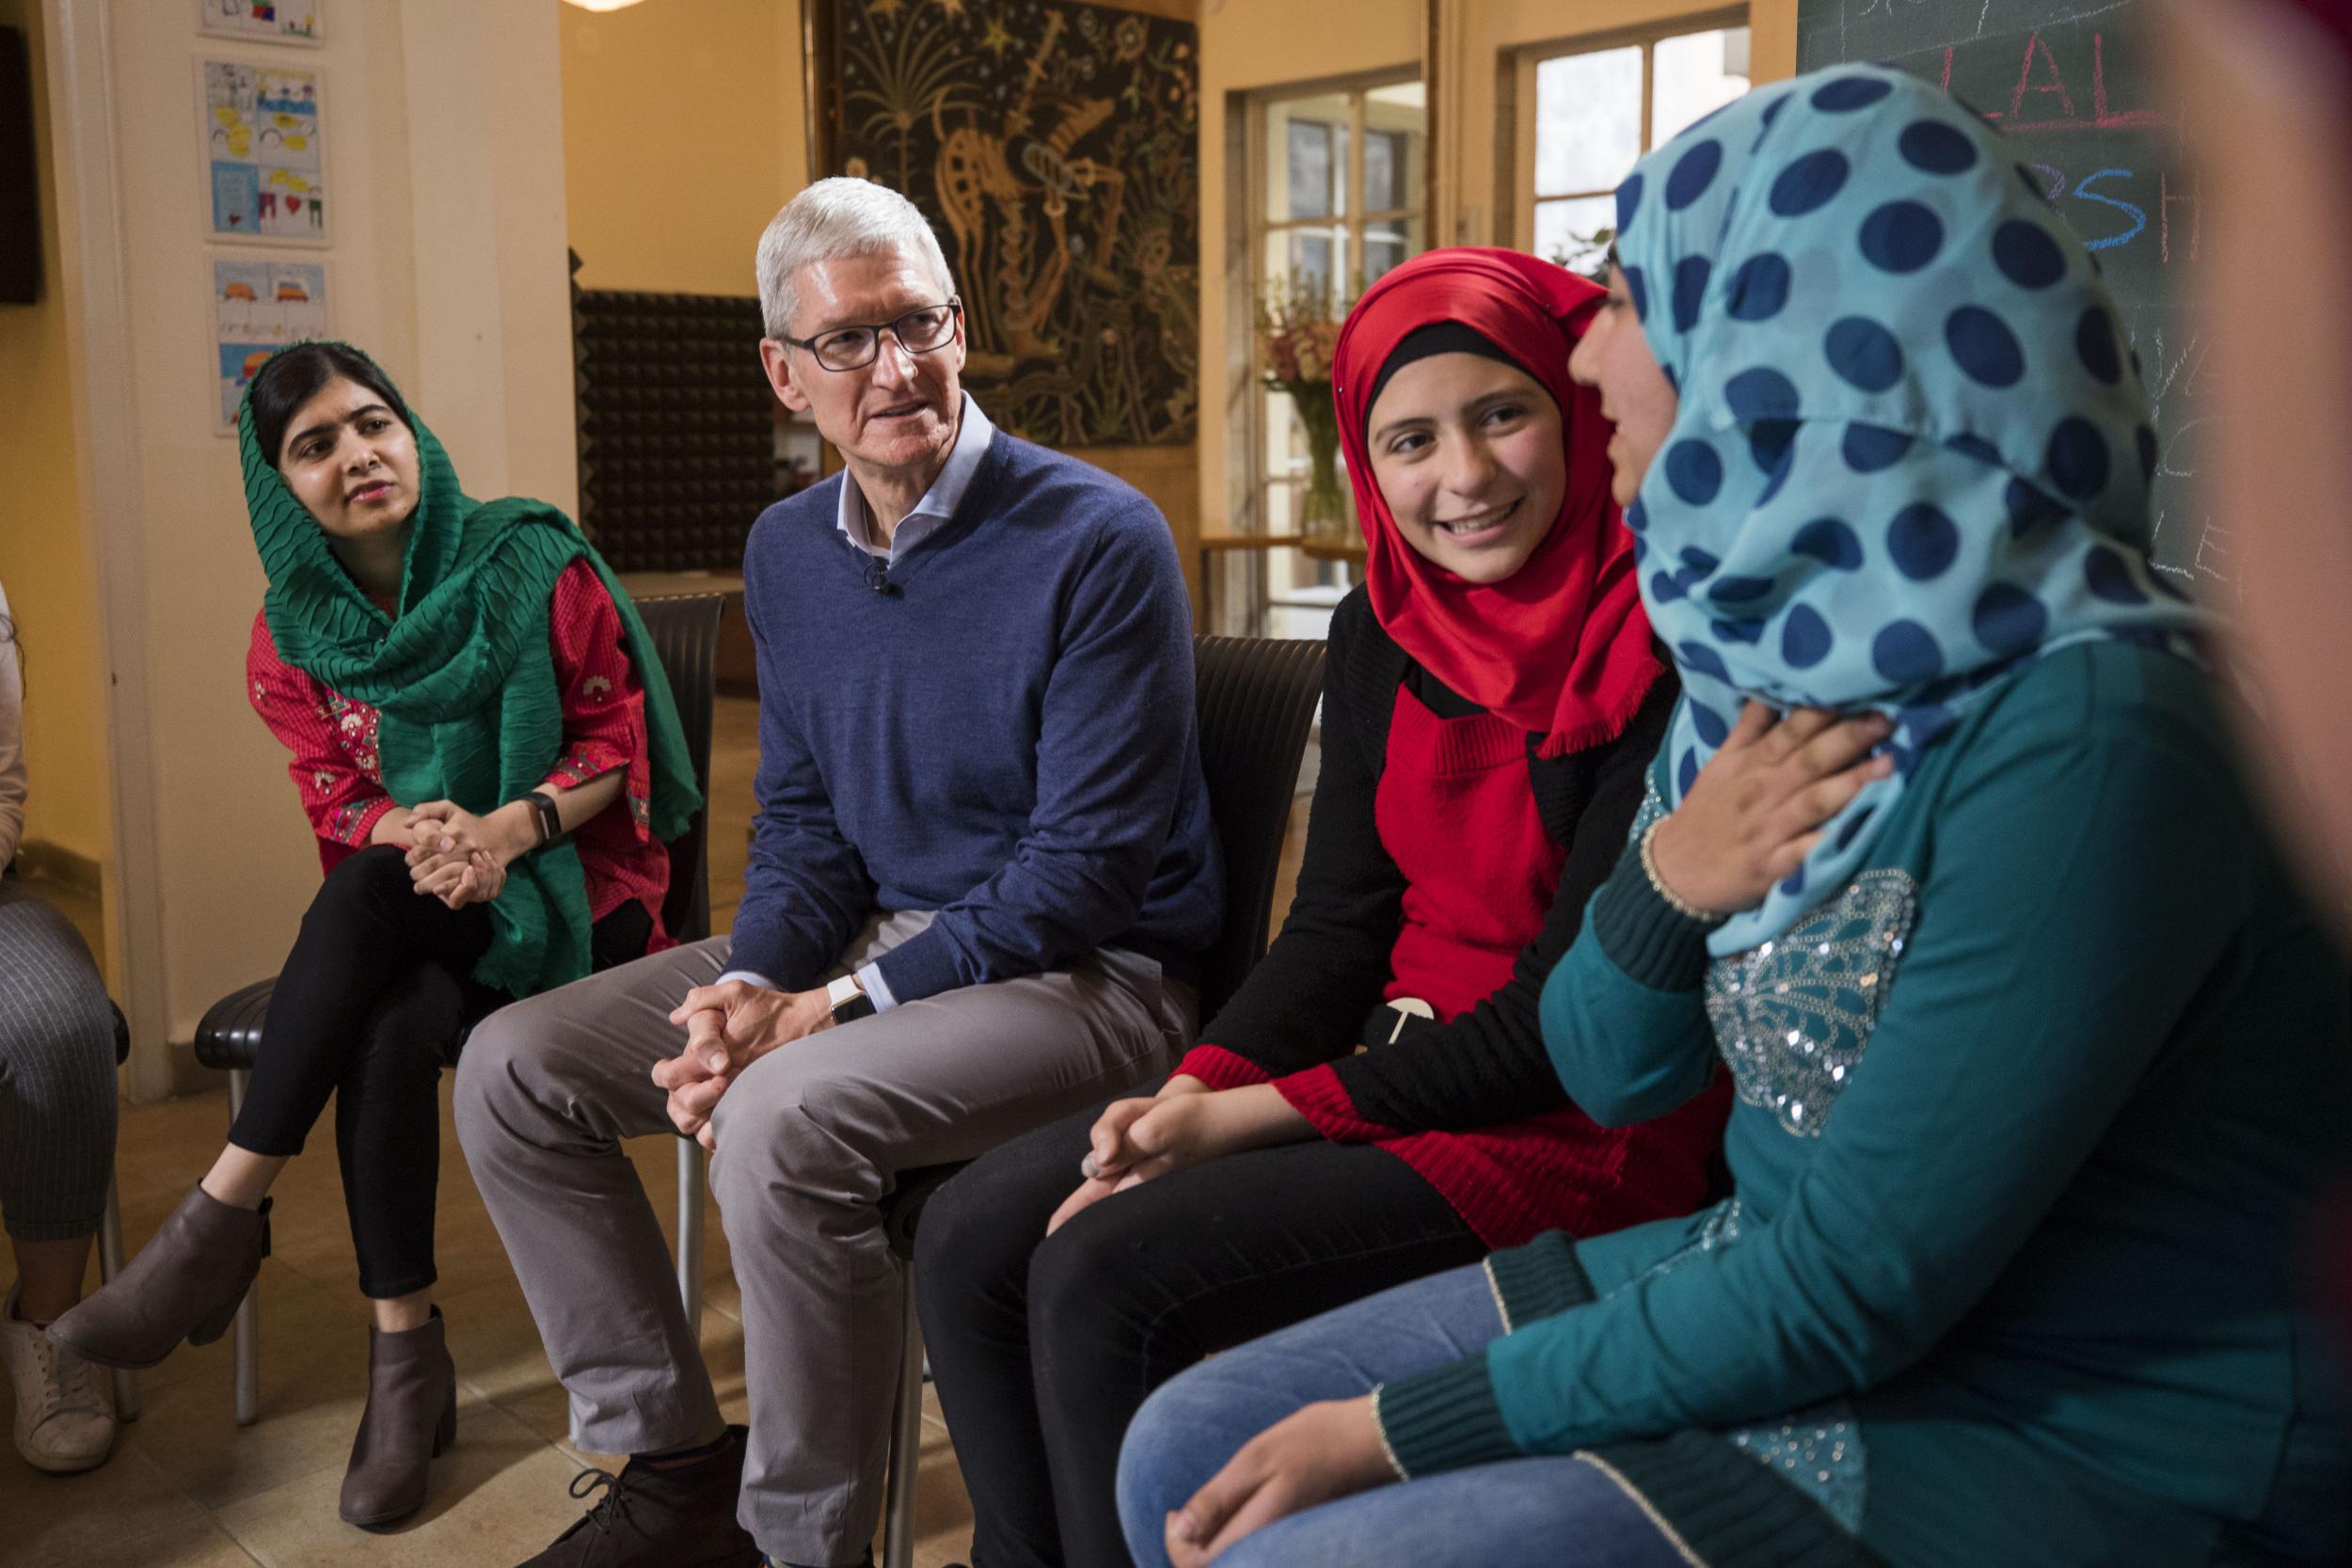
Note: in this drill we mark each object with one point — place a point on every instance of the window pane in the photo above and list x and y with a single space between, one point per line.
1306 164
1387 243
1395 148
1279 507
1314 258
1693 75
1380 171
1310 260
1588 119
1565 232
1388 161
1310 170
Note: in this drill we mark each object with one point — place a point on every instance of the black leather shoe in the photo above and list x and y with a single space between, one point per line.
652 1517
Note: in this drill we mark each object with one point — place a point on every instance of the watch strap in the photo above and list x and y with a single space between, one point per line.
848 1000
542 811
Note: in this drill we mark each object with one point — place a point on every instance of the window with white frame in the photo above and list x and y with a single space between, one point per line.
1590 108
1336 199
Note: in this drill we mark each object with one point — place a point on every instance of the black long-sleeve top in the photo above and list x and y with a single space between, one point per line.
1307 1002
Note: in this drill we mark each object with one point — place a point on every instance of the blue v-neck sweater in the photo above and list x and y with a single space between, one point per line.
1005 736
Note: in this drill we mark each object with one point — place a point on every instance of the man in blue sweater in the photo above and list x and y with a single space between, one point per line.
982 874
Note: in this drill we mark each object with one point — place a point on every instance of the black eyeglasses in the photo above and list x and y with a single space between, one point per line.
853 348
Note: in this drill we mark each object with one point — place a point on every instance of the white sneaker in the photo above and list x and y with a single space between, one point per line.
64 1420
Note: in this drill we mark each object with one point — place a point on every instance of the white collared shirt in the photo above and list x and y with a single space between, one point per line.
856 521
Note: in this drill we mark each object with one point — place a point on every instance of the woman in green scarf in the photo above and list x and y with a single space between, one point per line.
486 746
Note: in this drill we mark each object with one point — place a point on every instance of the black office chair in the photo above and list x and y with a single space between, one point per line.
1256 699
685 633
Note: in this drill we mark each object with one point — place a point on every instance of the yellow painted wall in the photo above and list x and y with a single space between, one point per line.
683 131
1248 45
44 558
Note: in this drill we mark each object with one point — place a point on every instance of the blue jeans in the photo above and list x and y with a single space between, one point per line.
1548 1513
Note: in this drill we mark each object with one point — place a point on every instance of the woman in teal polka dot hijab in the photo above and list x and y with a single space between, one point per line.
1912 452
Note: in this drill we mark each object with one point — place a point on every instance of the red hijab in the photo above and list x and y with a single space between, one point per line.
1561 647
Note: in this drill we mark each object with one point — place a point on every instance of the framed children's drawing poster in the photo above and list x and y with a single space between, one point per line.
277 21
259 306
264 159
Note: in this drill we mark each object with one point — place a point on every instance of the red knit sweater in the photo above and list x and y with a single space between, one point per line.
1456 815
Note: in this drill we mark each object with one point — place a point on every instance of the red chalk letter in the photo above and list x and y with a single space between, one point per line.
2056 83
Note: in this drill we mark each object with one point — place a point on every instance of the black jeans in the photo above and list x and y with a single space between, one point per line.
372 1003
1043 1348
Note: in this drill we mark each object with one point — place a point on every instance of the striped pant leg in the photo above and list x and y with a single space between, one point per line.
56 1075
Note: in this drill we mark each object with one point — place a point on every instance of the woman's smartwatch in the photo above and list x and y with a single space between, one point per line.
849 1000
543 812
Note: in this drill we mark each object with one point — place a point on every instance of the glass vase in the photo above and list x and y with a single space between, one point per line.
1324 515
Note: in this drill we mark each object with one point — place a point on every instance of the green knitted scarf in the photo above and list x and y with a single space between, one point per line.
464 677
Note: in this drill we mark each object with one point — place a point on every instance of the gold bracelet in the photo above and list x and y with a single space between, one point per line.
1657 883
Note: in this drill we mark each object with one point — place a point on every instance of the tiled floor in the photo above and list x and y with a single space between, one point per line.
188 1488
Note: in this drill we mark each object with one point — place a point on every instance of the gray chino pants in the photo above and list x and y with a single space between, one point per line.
810 1139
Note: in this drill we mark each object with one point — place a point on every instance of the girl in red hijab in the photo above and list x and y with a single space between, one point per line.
1491 701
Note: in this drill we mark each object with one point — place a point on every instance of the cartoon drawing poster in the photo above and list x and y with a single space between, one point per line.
278 21
258 308
262 152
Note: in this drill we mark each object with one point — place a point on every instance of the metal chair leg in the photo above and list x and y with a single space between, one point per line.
692 1180
109 1265
248 1323
906 1438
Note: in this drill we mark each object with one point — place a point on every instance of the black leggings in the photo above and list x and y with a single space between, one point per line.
1042 1348
372 1003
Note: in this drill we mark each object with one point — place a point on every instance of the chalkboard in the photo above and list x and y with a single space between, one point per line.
2073 84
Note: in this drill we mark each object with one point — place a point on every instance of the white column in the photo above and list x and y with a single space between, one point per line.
493 303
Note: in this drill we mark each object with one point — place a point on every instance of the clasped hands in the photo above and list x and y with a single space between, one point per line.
728 1027
459 858
1186 1123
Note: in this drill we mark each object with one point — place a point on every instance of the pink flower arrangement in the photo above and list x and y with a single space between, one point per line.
1298 335
1298 331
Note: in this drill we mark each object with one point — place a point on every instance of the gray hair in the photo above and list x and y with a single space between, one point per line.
832 219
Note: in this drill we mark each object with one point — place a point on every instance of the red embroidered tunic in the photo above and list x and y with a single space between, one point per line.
1455 813
340 776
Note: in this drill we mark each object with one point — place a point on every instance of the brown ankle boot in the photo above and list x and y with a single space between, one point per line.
411 1418
184 1284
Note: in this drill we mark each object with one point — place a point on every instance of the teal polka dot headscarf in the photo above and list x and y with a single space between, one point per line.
1912 451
